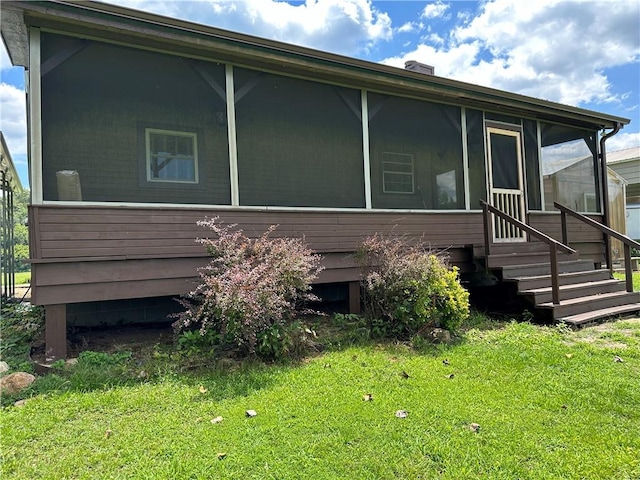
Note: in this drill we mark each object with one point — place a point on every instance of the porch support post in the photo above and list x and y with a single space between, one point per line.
55 332
354 298
34 113
365 148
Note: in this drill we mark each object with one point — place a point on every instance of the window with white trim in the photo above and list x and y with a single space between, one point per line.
397 173
171 156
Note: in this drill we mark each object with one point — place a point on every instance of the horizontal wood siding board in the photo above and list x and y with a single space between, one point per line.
107 271
91 292
87 232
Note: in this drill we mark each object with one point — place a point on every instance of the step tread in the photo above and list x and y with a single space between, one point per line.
592 316
573 286
546 264
588 298
561 275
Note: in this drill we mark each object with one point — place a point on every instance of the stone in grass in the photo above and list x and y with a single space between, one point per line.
402 414
15 382
222 455
4 367
251 413
368 397
474 427
618 359
217 420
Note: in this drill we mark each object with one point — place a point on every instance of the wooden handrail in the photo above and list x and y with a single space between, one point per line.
627 241
553 244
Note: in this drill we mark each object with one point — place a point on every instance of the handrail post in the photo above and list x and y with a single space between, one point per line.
555 290
628 278
488 231
565 234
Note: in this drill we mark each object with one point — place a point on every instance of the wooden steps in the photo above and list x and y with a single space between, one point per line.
587 295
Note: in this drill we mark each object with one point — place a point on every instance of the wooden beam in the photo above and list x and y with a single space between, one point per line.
55 332
206 76
62 56
247 87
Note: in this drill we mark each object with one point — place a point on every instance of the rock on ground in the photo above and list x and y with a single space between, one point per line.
16 382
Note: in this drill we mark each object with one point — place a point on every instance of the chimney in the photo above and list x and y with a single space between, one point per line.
418 67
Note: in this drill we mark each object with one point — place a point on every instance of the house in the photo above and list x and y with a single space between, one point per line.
140 125
9 184
627 164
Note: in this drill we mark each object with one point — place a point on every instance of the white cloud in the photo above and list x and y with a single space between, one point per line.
342 26
622 140
13 123
407 27
435 10
557 50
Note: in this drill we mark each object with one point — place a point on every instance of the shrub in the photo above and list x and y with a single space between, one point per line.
251 290
408 288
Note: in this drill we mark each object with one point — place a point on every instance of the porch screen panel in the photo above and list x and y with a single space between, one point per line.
134 126
532 164
415 154
476 158
299 142
568 161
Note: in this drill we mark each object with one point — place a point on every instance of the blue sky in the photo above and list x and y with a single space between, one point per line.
580 53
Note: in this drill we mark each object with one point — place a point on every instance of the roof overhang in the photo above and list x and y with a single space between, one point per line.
100 21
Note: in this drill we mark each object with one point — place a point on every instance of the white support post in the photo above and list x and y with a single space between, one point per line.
365 149
539 142
231 131
35 117
465 159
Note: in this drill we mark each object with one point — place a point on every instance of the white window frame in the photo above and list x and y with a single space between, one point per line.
385 170
194 138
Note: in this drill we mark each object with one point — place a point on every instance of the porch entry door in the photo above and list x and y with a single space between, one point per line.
506 183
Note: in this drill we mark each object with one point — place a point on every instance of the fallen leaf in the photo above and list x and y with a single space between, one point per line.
202 389
402 414
108 433
568 355
450 376
618 359
474 427
393 359
217 420
251 413
404 375
327 365
445 361
367 397
222 455
564 406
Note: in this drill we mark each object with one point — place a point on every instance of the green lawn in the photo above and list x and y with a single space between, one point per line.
635 278
550 404
20 278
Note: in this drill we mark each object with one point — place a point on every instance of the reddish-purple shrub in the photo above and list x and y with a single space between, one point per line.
251 286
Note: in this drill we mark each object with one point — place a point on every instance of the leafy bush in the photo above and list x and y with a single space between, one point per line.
408 288
251 290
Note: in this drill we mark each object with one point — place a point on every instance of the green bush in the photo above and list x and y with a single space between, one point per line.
409 288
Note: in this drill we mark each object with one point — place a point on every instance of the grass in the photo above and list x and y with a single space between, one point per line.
21 278
635 277
551 404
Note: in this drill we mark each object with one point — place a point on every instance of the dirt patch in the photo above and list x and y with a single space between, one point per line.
112 339
613 335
